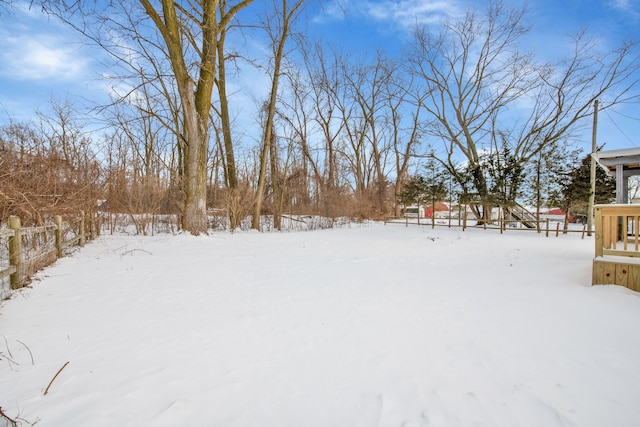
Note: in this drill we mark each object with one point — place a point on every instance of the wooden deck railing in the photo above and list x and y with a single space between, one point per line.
617 230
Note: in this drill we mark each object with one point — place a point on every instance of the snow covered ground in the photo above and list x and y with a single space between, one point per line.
379 325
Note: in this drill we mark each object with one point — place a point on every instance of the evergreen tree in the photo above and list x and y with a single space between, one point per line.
547 173
505 175
428 189
414 191
575 191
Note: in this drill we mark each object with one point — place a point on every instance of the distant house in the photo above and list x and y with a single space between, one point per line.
440 210
557 214
426 211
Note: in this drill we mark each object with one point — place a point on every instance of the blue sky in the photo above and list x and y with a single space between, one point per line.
41 59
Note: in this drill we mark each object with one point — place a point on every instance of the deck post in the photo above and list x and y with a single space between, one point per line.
598 226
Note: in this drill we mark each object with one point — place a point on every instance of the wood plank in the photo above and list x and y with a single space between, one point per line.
629 210
633 279
606 234
613 231
620 252
7 233
598 223
622 274
625 238
36 230
604 273
7 272
597 275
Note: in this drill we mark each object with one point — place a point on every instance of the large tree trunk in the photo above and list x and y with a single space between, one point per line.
195 94
194 217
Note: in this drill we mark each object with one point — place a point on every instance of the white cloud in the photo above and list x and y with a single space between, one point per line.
621 4
28 58
406 13
34 48
403 14
333 10
630 8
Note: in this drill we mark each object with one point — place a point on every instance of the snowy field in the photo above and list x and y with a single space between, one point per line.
368 326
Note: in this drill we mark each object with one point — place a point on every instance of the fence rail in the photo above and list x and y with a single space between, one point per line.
543 225
33 248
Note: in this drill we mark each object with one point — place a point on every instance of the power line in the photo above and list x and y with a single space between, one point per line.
626 116
618 127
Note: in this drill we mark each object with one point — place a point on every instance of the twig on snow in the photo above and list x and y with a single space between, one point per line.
2 355
6 344
29 350
133 250
11 421
54 378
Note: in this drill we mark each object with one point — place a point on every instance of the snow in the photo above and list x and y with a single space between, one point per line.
379 325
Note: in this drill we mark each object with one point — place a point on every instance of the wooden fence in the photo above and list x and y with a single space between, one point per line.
33 248
617 251
500 224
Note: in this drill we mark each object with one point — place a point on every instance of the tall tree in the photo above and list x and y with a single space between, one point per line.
406 132
187 34
543 171
195 104
227 146
476 77
279 28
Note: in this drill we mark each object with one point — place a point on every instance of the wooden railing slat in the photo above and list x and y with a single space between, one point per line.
625 238
612 226
635 231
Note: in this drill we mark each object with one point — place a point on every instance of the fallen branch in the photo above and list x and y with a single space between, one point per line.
11 421
6 344
133 250
2 355
54 378
29 350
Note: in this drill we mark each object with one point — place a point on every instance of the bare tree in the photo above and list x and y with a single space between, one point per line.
279 27
187 35
323 73
48 169
405 104
368 85
477 77
227 146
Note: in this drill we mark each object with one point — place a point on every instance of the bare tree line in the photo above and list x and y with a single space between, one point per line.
48 168
339 133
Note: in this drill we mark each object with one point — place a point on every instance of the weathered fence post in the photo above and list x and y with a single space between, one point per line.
15 253
93 226
58 221
547 227
82 236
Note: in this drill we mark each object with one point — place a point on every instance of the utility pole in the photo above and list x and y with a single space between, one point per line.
592 193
